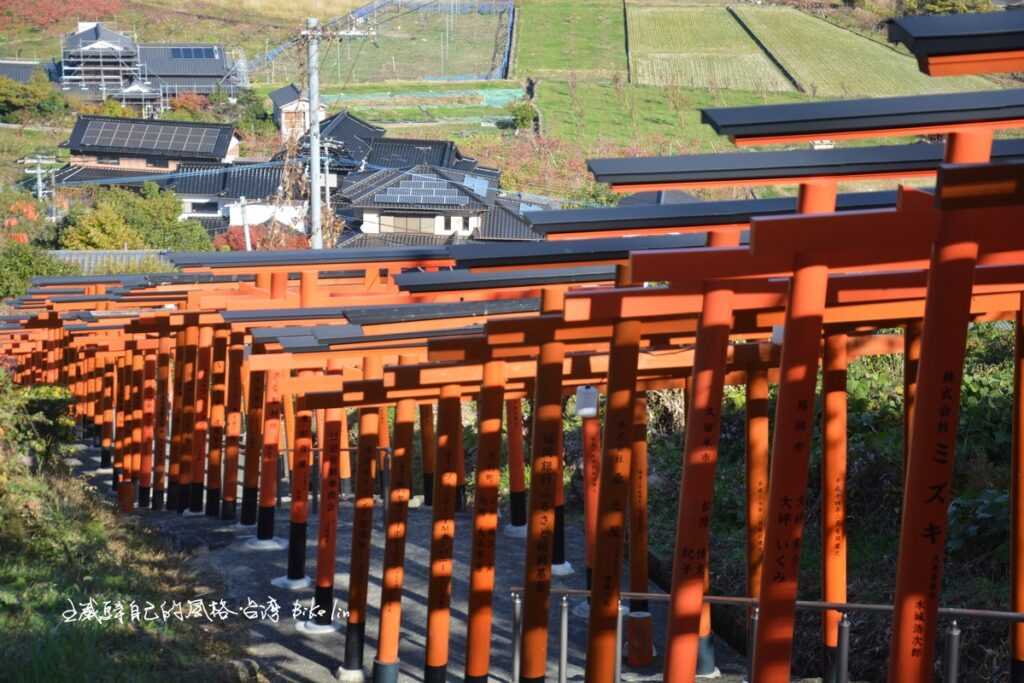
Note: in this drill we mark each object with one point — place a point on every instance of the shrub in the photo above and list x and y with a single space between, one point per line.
19 263
24 101
263 238
101 227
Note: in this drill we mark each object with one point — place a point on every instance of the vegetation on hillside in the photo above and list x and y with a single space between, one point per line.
62 546
558 37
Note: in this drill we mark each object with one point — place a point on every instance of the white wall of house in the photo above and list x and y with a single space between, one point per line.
463 226
293 118
292 214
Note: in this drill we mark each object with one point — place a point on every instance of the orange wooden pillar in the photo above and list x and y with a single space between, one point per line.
149 388
163 392
334 439
442 542
201 420
612 500
833 495
1016 506
700 457
232 426
428 451
386 665
911 359
516 528
591 430
927 491
107 406
485 523
639 626
362 526
253 447
188 415
794 413
757 457
218 398
125 493
137 382
270 451
177 417
302 461
545 470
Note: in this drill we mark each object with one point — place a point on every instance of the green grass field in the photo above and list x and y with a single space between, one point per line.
697 47
829 61
647 119
558 37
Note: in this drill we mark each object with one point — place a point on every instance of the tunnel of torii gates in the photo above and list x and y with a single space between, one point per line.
165 369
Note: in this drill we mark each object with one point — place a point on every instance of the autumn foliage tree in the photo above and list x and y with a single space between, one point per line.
264 238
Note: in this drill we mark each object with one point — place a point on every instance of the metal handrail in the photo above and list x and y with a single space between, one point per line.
951 662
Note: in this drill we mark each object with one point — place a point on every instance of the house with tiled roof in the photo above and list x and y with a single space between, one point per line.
432 205
291 111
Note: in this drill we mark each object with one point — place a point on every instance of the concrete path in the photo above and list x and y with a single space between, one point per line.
286 654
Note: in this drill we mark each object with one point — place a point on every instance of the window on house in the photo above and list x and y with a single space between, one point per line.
422 224
108 160
157 163
204 207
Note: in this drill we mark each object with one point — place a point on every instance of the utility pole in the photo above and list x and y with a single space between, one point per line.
313 58
40 163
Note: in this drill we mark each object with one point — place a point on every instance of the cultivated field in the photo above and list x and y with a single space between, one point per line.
701 47
829 61
558 37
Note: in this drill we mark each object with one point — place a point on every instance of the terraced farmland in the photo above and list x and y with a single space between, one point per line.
829 61
700 47
586 38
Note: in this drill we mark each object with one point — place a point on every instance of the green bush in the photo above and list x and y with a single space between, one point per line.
122 218
19 263
36 421
26 101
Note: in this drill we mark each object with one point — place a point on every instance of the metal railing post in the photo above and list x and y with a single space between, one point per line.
751 642
618 645
563 653
952 664
843 655
517 616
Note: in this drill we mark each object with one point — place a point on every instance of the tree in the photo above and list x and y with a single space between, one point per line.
35 99
946 6
101 227
19 263
152 215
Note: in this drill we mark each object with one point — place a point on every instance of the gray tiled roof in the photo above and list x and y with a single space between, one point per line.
89 260
160 60
18 70
95 33
283 96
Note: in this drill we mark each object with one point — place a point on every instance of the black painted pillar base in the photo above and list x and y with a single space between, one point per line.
354 638
143 496
435 674
172 496
428 488
212 502
590 578
105 458
228 509
265 523
158 499
323 605
385 673
115 478
517 503
1016 671
183 496
460 498
706 655
476 679
250 505
195 503
830 658
558 552
297 550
